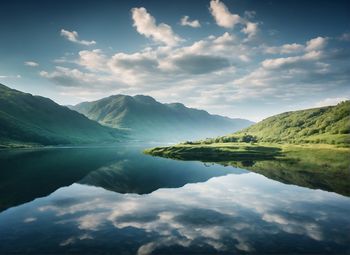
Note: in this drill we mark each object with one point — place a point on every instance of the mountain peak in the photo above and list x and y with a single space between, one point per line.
145 99
148 119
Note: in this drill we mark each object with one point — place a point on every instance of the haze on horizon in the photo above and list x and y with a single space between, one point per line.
247 59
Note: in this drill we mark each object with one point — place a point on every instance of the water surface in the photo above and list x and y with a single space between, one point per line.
119 201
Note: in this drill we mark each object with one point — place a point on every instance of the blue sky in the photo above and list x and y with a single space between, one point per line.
248 59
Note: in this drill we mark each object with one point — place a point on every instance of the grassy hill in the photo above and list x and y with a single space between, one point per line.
320 129
33 120
148 119
326 125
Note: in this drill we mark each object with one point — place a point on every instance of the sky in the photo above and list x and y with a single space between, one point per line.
237 58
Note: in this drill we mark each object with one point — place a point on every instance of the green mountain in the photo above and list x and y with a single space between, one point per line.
328 125
147 119
27 119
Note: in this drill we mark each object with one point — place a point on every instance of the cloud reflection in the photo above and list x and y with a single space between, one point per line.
228 214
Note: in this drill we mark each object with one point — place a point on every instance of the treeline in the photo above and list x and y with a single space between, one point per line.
226 139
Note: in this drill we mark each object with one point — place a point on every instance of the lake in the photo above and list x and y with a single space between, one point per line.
116 200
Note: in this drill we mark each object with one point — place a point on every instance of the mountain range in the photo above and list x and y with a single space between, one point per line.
27 120
147 119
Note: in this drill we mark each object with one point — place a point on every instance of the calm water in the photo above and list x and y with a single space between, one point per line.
119 201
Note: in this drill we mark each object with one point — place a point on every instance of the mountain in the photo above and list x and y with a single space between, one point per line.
27 119
147 119
328 125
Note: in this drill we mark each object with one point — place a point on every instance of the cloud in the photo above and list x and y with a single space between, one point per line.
74 37
93 60
185 21
217 73
290 61
222 16
134 68
317 43
31 63
66 77
200 64
250 29
146 25
182 217
285 49
331 101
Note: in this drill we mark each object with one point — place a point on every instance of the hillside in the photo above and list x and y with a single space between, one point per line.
319 129
148 119
328 125
26 120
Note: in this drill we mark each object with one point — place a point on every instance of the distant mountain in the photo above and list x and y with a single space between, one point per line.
329 125
28 119
148 119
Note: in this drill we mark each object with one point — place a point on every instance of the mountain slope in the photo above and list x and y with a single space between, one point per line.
28 119
148 119
327 125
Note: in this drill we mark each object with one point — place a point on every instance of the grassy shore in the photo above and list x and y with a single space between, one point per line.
238 151
317 166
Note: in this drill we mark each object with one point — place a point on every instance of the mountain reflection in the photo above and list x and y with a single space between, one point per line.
231 214
28 174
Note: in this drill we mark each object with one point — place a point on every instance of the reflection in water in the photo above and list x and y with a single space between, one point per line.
142 174
29 174
123 202
228 215
326 169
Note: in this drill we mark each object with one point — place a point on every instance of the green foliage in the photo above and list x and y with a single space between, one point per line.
327 125
33 120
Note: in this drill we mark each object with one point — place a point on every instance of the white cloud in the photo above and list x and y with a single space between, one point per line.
31 63
250 29
317 43
216 73
285 49
93 60
74 37
146 25
331 101
134 68
224 18
67 77
182 218
185 21
222 15
287 61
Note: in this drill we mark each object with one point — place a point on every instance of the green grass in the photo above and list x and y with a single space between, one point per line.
216 152
317 166
325 125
